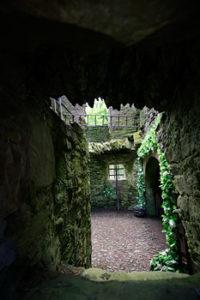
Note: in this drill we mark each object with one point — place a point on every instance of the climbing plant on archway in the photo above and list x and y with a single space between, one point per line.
167 260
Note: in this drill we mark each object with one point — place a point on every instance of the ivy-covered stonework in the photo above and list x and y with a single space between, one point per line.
167 260
179 137
100 183
36 68
114 145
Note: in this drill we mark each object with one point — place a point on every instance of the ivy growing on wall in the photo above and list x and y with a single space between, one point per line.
167 260
140 186
108 192
149 144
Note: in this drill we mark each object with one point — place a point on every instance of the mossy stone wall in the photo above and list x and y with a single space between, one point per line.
99 180
147 118
72 195
179 137
129 116
116 118
45 194
97 134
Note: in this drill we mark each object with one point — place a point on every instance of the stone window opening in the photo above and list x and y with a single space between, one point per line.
117 172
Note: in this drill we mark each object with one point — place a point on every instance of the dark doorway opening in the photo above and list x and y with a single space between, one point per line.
153 190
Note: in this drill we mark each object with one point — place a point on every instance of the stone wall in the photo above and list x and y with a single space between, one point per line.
72 195
103 134
179 137
99 166
68 112
128 115
97 134
114 145
147 118
44 191
161 72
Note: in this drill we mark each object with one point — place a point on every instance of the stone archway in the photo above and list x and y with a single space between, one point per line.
153 190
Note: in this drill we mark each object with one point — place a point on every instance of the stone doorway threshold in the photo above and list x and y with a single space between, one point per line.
120 285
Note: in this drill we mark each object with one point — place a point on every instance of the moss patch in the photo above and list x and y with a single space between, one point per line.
96 274
55 225
142 287
99 165
113 145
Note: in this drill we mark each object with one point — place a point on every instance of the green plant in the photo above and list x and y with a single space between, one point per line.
164 262
140 186
108 192
167 260
100 110
149 144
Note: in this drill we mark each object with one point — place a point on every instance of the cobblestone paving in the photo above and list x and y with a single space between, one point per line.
121 241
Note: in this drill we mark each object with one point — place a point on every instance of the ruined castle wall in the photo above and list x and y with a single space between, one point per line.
147 118
97 134
44 191
128 116
99 176
179 137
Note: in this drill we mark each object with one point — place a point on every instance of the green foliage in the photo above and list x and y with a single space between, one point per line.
149 144
99 108
169 219
150 141
108 192
140 186
166 260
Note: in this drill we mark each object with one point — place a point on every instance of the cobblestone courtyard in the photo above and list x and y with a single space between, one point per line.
121 241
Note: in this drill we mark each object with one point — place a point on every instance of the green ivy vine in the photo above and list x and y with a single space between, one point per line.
167 260
108 192
149 144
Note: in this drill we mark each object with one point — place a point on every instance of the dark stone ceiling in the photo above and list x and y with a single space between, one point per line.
128 21
131 50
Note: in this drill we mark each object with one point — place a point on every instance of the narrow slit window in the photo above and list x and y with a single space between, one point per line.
116 171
